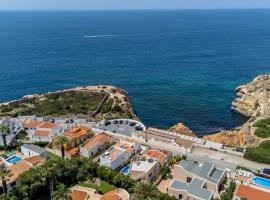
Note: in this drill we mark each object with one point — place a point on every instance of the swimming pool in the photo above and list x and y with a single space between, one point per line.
125 170
13 159
261 182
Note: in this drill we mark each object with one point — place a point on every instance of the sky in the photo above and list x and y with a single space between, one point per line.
129 4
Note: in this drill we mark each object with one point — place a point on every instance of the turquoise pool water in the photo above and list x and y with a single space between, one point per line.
125 170
262 182
13 159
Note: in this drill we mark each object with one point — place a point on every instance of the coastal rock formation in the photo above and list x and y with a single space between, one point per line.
181 129
237 139
91 102
253 99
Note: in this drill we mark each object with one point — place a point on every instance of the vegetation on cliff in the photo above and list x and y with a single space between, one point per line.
263 128
259 154
95 102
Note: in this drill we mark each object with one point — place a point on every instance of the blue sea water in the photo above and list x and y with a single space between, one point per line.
176 65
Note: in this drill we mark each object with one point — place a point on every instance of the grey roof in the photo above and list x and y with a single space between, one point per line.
195 188
34 148
206 170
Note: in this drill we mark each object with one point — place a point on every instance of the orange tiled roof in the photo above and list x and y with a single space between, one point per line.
17 169
97 139
41 133
35 160
33 124
111 196
79 195
156 154
76 132
251 193
71 152
48 125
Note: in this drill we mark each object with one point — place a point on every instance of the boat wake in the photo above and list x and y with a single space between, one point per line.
145 34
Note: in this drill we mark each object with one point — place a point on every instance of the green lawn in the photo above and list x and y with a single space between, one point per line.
103 188
52 156
259 154
263 128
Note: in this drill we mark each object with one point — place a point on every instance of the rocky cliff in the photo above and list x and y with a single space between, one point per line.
182 129
253 101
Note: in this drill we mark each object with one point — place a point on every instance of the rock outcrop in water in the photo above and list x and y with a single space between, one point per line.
252 100
182 129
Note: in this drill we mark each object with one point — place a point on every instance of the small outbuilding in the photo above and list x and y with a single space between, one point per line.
33 150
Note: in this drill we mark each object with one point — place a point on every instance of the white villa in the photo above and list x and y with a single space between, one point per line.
189 178
14 126
119 153
41 131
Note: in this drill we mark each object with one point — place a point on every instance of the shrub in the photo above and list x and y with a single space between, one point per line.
259 154
263 132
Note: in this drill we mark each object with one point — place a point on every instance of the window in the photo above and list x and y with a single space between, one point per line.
180 196
205 186
189 179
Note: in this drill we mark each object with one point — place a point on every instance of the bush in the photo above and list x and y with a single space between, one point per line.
228 194
107 106
6 109
262 123
41 144
263 132
259 154
117 108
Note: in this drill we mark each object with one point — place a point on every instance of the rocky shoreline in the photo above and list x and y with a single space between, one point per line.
253 101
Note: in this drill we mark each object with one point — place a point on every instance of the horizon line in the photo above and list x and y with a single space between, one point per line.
139 9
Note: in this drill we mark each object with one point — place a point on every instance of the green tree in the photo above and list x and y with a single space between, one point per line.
4 173
4 131
165 171
62 192
61 142
144 191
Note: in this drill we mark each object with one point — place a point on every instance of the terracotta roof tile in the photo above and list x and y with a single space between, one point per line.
41 133
35 160
48 125
156 154
251 193
17 169
33 124
97 139
111 196
76 132
79 195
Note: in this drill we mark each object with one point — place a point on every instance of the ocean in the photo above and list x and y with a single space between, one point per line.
178 66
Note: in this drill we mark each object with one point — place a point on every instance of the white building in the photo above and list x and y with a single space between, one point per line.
33 150
13 126
119 153
42 131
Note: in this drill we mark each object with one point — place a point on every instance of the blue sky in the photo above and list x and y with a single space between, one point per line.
129 4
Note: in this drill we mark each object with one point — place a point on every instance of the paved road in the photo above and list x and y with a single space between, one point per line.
227 159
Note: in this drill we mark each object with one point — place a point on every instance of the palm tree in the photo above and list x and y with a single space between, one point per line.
145 191
4 131
61 141
61 193
4 172
49 169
